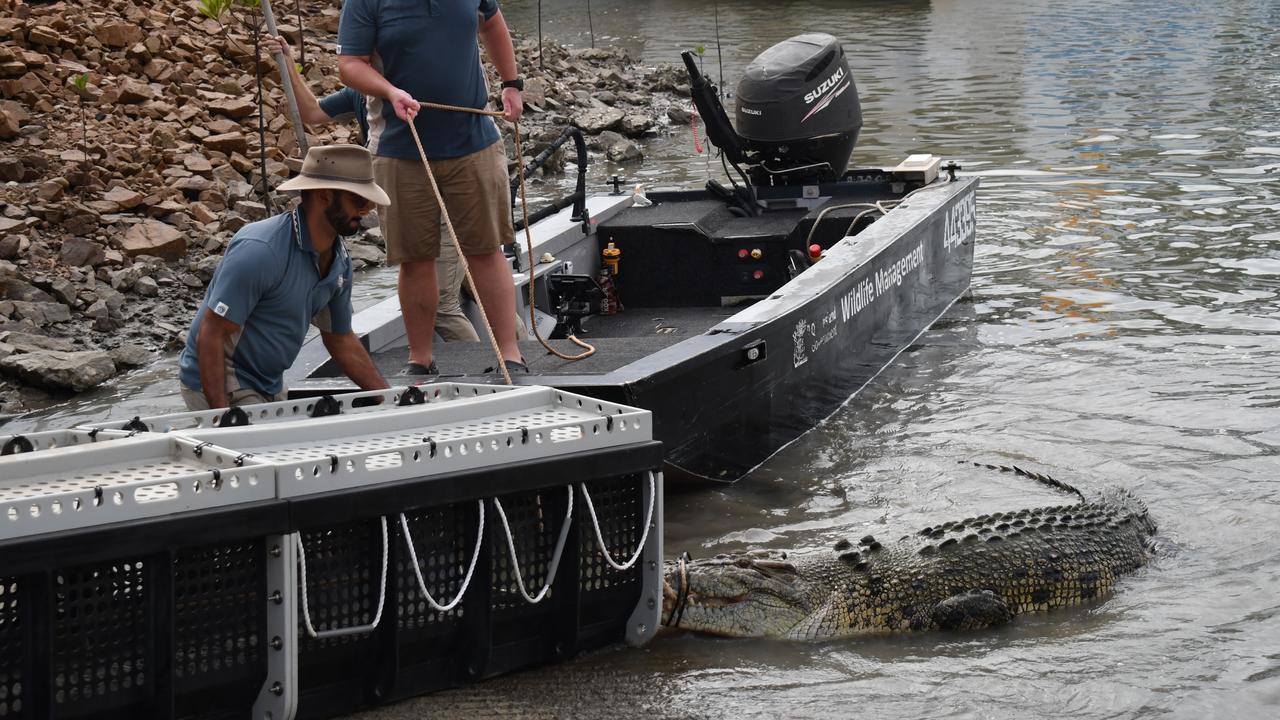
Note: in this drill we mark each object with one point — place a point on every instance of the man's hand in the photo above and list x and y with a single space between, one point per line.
405 106
277 44
512 104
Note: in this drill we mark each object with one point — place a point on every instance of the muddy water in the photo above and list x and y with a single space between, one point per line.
1124 327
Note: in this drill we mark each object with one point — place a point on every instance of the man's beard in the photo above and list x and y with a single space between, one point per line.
343 224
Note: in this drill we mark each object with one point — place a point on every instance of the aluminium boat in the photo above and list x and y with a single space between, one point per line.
740 315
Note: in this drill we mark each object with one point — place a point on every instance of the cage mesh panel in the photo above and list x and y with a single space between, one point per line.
218 603
535 519
344 565
444 542
99 635
620 508
12 649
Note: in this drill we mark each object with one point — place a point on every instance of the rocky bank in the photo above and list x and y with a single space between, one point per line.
129 155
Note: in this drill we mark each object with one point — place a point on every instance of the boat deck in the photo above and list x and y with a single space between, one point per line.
619 340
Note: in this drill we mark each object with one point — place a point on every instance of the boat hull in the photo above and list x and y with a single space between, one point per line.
725 400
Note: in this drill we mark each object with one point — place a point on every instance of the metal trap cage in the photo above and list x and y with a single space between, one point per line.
309 565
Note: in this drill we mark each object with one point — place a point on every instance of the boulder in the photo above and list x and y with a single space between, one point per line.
134 91
124 198
119 34
30 342
227 143
41 313
131 355
77 251
60 370
595 120
234 108
152 237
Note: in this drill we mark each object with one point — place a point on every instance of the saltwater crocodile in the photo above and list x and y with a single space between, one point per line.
968 574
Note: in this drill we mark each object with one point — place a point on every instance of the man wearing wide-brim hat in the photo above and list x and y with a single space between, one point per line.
277 277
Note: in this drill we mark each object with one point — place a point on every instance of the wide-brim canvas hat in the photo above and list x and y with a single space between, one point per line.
338 167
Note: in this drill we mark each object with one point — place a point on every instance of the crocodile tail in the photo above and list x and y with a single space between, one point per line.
1127 504
1038 477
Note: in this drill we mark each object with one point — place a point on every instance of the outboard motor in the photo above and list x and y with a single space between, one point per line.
798 114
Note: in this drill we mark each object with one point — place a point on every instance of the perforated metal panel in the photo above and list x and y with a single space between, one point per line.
218 596
139 477
100 630
521 424
13 649
535 519
355 403
444 540
54 439
620 508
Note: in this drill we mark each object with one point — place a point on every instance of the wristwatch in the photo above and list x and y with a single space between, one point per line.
518 84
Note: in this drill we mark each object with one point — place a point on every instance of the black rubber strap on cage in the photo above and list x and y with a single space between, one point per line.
241 458
411 396
136 425
324 407
17 444
234 417
198 450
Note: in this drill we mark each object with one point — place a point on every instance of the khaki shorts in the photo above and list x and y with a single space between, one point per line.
244 396
475 191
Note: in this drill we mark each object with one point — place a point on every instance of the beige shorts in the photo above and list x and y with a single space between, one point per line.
244 396
475 191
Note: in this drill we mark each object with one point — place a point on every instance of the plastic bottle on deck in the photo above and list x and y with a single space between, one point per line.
609 260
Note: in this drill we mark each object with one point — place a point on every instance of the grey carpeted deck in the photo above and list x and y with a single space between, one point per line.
618 339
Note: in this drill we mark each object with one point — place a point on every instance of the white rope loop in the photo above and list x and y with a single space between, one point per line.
466 582
644 536
306 610
555 557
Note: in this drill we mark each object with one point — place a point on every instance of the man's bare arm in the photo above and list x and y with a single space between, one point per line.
496 38
211 356
308 106
358 72
349 353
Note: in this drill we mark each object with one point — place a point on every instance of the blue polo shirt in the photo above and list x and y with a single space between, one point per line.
269 284
346 104
429 49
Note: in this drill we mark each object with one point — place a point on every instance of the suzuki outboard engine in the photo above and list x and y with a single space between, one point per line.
798 114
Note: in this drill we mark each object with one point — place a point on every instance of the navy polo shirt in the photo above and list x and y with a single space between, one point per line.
429 49
346 104
269 284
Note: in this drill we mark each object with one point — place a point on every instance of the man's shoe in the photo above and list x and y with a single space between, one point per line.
514 367
414 368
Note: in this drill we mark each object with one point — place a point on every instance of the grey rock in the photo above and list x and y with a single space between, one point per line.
29 342
130 355
596 120
146 286
42 313
78 252
58 370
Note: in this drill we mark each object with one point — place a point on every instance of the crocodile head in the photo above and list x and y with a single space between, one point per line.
751 594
